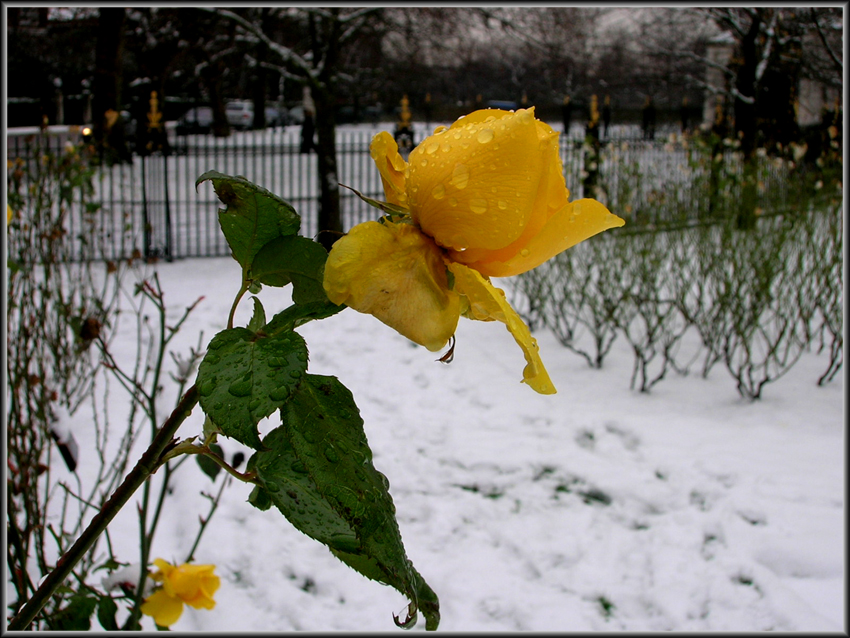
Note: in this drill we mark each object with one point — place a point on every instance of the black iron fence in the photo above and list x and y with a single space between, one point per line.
150 206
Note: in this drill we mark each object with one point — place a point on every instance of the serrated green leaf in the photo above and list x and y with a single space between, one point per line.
260 499
209 428
253 216
244 378
318 471
295 260
258 319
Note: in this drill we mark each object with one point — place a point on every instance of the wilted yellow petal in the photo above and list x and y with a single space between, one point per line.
487 303
474 185
391 166
166 610
397 274
572 224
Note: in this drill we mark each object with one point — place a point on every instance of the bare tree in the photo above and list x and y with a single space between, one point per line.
556 42
313 62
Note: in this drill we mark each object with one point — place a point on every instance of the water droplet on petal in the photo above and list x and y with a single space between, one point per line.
440 129
478 206
438 192
424 162
485 135
460 176
432 147
524 252
452 201
502 204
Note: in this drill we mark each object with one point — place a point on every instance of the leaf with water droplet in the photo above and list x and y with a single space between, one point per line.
321 461
240 384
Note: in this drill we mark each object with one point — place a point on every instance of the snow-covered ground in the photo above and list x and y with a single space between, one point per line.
596 509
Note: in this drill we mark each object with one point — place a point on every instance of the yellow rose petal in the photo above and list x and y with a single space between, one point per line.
488 303
474 185
397 274
572 224
552 196
391 166
166 610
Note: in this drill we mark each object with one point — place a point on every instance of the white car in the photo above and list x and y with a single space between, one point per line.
240 114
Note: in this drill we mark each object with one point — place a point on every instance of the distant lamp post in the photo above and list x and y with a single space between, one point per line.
404 129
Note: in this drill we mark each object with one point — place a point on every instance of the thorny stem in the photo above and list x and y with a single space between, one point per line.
147 465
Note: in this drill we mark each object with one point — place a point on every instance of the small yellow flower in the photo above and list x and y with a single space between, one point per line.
193 585
484 198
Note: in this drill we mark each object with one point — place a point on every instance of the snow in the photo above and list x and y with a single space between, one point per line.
595 509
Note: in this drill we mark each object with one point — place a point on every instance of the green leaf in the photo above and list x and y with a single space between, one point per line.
298 315
76 616
106 610
207 465
294 259
245 377
317 469
253 216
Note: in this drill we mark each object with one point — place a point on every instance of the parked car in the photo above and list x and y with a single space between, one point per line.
240 114
198 119
275 116
295 115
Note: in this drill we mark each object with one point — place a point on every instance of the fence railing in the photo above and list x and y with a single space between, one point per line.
150 207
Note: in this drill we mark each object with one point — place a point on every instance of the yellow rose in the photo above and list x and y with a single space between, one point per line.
485 198
193 585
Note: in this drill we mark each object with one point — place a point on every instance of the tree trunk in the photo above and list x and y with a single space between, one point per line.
211 75
260 74
745 122
330 218
106 88
324 35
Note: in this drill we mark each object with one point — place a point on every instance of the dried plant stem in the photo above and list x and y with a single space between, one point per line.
147 465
